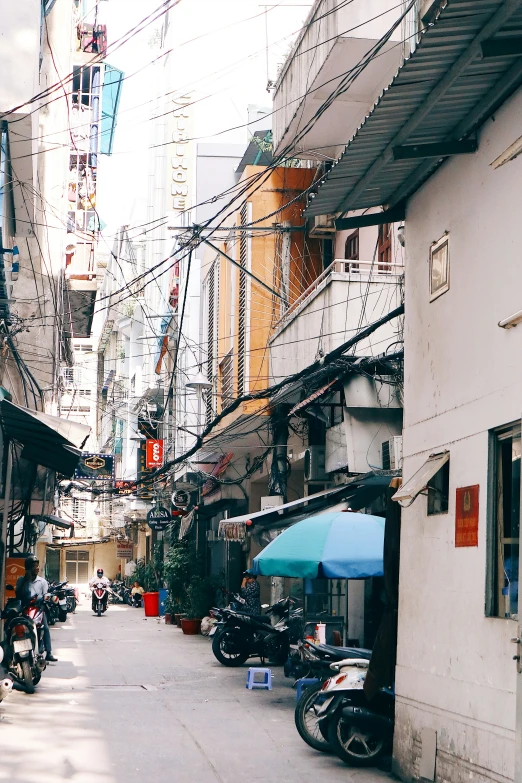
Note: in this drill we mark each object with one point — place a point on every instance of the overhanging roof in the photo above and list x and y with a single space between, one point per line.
360 492
442 93
47 440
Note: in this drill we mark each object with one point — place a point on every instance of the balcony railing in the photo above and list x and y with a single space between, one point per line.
350 270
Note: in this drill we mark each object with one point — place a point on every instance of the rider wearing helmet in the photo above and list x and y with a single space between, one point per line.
100 579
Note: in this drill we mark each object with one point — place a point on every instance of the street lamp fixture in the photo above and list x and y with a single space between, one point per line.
198 384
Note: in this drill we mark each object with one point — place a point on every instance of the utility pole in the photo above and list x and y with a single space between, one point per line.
278 480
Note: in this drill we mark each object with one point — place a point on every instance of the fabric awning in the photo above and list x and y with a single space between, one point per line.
47 440
420 480
442 93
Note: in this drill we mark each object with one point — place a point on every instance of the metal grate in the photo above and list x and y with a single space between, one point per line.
226 373
242 306
212 309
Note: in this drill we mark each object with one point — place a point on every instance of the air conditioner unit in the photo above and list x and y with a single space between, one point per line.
392 453
315 463
323 226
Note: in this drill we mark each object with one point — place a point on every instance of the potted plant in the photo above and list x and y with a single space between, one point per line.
200 597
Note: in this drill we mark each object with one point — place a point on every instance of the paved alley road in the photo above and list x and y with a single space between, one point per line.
133 701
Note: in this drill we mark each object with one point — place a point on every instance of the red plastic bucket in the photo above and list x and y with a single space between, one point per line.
151 604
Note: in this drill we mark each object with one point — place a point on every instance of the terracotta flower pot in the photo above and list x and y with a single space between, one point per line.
177 619
168 618
190 627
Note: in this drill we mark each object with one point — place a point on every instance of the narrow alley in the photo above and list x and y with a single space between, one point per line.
132 700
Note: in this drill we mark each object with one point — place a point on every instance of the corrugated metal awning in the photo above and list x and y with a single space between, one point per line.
442 93
359 492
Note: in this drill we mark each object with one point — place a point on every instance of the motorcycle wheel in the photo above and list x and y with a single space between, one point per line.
27 676
354 746
62 615
51 619
99 609
306 719
71 604
224 656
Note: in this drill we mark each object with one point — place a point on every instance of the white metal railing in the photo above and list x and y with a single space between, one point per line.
353 271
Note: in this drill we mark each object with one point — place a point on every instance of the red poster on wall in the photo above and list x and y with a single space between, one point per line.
467 516
154 453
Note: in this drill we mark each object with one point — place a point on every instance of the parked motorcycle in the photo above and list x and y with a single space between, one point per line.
314 661
119 593
23 641
99 598
58 589
243 636
359 732
51 608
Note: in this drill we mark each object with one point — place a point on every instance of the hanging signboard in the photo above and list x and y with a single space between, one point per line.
467 516
181 498
146 429
159 518
125 488
153 453
95 467
124 549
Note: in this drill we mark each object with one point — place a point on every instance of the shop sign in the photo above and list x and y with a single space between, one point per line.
14 569
467 516
153 453
181 499
159 518
125 488
124 549
95 467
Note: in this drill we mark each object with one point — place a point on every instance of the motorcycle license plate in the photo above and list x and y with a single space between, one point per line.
62 602
21 645
324 706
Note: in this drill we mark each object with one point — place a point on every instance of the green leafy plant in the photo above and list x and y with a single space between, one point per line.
201 595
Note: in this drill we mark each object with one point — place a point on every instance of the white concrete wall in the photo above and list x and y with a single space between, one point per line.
19 51
333 41
333 315
463 376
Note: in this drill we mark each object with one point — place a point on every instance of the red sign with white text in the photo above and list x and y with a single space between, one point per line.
467 516
154 453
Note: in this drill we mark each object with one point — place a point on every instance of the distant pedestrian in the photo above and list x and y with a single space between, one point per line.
251 592
136 594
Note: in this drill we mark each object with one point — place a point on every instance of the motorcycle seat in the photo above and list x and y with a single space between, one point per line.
340 653
260 618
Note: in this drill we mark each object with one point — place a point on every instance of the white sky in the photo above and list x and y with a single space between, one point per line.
226 68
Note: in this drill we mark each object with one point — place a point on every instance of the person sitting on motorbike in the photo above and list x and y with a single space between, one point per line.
29 586
136 594
251 593
100 579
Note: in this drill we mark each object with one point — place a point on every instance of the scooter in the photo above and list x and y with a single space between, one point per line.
243 636
317 663
99 598
23 641
359 732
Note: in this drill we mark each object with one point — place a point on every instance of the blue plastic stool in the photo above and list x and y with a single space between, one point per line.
265 683
303 683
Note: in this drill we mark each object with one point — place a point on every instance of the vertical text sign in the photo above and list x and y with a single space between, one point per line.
467 516
154 453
